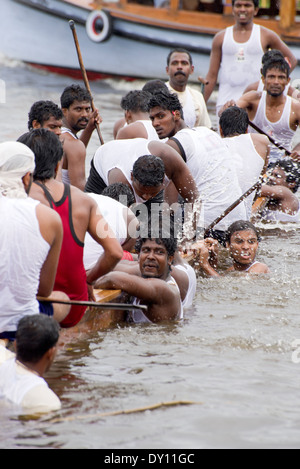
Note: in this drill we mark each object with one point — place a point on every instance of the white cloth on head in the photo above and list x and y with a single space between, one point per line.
16 160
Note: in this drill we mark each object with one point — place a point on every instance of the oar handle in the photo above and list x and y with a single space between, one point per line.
84 74
93 304
278 145
232 207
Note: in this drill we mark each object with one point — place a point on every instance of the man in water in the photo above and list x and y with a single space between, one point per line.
21 374
207 158
155 288
242 242
282 184
237 51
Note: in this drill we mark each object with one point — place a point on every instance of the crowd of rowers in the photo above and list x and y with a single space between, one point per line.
139 217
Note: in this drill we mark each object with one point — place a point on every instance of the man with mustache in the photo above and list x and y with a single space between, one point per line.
78 116
155 288
179 68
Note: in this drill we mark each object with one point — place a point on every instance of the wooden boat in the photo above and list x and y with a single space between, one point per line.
125 38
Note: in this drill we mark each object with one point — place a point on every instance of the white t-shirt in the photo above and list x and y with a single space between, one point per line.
240 65
116 215
248 163
23 387
210 163
23 253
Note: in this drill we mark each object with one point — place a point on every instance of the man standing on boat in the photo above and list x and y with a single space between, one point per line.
237 53
78 116
179 68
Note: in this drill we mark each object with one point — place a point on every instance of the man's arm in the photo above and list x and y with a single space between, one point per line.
52 231
271 40
75 154
86 134
149 291
214 65
102 233
176 170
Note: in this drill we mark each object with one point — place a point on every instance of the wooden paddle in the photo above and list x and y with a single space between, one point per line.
94 304
278 145
84 74
232 206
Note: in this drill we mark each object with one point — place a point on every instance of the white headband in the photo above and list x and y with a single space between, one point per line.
16 160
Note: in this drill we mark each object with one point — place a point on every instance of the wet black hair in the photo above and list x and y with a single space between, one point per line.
136 101
47 149
166 100
149 170
291 169
153 85
41 111
278 63
35 335
234 121
74 93
120 192
241 225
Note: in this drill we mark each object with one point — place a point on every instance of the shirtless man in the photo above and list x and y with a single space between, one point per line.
45 115
242 242
179 68
31 237
282 184
237 51
79 214
78 116
155 288
207 158
249 151
136 107
271 110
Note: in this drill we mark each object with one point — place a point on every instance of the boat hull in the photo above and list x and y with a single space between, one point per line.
37 32
39 37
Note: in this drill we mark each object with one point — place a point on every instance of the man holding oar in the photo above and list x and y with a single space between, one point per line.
76 104
271 111
280 191
155 288
249 151
207 158
79 214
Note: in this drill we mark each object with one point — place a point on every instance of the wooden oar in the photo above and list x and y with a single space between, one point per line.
84 74
278 145
232 207
94 304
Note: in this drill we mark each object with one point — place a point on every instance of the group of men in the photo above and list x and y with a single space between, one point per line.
151 191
